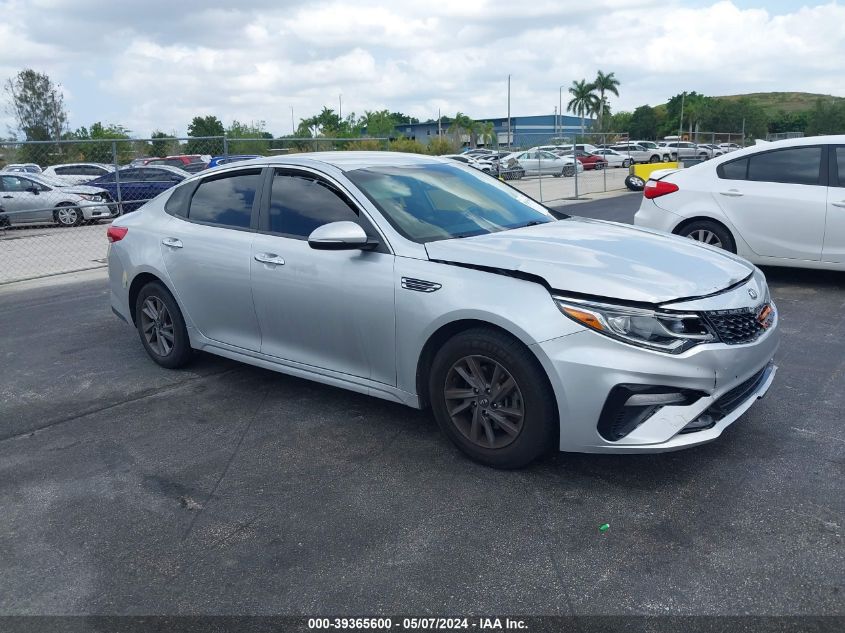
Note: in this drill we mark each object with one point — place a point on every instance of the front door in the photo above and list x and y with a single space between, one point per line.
20 202
332 310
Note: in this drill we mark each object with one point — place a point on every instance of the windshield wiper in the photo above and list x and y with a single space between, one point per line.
531 223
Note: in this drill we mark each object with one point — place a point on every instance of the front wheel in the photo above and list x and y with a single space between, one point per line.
598 166
66 215
654 159
627 163
568 171
492 398
161 326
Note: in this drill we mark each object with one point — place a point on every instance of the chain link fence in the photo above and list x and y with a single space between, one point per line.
55 197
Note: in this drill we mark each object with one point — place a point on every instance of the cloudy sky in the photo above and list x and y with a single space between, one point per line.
154 64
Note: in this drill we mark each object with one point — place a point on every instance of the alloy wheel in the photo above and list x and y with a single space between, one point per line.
67 216
157 326
708 237
484 402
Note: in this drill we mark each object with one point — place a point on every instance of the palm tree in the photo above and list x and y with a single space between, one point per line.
487 133
584 100
605 83
463 125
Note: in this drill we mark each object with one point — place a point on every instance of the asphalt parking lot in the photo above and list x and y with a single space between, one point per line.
226 489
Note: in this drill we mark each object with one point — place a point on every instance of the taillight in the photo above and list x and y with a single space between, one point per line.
657 188
116 233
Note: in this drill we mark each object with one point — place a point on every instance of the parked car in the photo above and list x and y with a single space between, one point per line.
588 159
780 203
538 163
473 161
729 147
646 144
23 168
615 158
139 184
715 149
642 154
417 280
679 150
35 198
191 163
216 161
78 173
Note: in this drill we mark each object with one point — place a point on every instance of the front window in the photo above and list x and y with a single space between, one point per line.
434 202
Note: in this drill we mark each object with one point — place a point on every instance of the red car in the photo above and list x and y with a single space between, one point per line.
588 160
191 163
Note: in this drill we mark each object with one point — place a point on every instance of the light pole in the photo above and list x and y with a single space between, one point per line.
340 106
560 110
292 126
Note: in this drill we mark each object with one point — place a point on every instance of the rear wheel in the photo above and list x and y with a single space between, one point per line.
708 232
161 326
627 163
598 166
491 397
654 159
67 215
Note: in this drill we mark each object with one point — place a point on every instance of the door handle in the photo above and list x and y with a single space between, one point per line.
732 193
172 242
269 258
9 197
839 204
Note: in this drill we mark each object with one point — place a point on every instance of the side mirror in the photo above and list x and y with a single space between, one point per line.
34 190
340 236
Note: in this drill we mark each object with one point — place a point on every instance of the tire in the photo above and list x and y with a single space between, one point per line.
634 183
598 166
67 215
627 163
5 223
703 156
667 158
568 171
528 431
710 233
153 332
654 159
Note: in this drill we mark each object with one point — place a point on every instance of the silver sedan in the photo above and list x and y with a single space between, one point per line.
36 198
425 282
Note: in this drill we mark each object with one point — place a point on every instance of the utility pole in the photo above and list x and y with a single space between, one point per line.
555 121
560 109
509 111
439 126
292 126
340 106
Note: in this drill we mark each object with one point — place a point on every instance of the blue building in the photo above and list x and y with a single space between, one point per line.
526 131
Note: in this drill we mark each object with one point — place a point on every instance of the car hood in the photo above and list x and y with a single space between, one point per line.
82 189
601 259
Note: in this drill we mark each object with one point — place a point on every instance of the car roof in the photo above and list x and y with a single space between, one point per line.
171 169
345 161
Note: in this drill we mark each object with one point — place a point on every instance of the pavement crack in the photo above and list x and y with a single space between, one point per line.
225 470
148 393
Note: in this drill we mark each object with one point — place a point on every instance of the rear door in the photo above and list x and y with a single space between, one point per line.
834 234
206 248
777 200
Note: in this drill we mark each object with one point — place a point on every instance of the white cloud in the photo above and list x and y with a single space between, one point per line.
159 64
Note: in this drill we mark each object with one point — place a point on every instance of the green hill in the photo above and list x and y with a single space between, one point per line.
774 102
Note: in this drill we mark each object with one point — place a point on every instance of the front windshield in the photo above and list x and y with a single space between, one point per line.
437 201
52 181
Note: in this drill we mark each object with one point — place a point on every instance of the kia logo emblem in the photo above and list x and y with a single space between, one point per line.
752 293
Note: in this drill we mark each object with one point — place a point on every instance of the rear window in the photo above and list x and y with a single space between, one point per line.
796 165
226 200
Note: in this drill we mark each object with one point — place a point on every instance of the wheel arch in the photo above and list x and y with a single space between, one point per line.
704 218
142 279
445 332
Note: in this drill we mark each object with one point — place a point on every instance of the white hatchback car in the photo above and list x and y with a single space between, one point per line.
780 203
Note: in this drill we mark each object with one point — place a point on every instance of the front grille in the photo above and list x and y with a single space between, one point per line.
736 326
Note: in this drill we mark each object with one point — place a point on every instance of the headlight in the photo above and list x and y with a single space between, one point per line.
88 196
670 332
